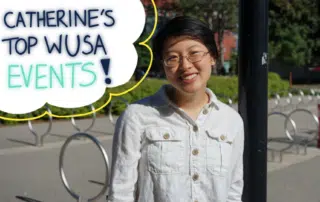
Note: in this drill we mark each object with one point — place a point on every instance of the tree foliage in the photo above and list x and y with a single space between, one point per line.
293 26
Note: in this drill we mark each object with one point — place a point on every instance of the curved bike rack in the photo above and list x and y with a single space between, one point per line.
304 141
311 96
90 126
230 102
287 133
275 98
40 138
289 101
300 99
63 176
110 108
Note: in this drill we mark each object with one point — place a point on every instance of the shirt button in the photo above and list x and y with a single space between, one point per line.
195 177
205 111
166 136
195 152
195 128
222 137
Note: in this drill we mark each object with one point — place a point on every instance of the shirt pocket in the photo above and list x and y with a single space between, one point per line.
218 152
165 151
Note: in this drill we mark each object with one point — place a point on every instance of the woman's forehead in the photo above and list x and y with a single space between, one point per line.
174 42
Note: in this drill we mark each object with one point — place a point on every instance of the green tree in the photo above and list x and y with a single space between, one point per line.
292 31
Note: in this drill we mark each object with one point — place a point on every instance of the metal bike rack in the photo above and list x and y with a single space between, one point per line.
304 141
110 108
90 126
289 101
311 96
287 133
277 102
230 102
39 139
300 99
63 176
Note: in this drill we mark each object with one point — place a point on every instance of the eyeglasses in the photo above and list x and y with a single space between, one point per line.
193 57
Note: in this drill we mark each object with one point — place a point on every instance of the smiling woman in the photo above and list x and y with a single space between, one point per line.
182 143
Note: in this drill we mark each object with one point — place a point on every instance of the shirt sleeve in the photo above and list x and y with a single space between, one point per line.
236 188
125 158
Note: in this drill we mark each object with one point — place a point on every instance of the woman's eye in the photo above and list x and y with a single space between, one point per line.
195 53
172 58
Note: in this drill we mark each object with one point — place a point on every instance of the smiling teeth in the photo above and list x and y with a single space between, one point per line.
189 77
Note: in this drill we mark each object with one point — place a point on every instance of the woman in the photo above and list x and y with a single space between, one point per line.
181 144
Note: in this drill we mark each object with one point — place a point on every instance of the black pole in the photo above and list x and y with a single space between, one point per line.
253 95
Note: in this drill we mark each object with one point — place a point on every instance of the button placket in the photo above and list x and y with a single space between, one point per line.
205 111
195 177
195 152
195 128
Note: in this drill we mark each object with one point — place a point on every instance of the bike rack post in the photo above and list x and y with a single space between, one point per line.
287 133
90 126
311 96
39 139
63 176
110 108
289 101
305 141
276 101
300 99
318 143
230 102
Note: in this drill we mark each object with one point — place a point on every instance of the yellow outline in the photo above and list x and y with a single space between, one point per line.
111 94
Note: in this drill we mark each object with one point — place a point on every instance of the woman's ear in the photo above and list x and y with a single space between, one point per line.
213 61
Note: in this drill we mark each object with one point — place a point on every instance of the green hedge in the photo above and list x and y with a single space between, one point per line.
223 86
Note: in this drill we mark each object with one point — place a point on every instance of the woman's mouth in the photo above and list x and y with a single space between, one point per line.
188 78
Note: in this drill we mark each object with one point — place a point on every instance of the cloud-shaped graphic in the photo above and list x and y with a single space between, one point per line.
67 56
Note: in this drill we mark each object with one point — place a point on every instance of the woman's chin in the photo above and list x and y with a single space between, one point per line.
191 88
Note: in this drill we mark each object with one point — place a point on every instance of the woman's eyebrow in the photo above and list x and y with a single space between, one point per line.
172 51
168 52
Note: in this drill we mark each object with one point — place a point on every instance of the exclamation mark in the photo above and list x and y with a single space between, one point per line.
105 65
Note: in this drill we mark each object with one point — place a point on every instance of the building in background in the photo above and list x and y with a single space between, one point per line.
230 41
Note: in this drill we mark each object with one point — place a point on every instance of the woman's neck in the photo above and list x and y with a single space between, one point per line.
190 102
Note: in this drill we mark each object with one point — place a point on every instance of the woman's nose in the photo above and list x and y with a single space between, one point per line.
185 63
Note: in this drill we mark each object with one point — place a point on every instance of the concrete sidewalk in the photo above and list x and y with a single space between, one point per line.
33 172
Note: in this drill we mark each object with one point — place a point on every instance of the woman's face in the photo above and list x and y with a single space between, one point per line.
187 76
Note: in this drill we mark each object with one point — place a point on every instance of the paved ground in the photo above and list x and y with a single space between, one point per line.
296 183
29 171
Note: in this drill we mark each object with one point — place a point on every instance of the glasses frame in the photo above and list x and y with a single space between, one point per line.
187 56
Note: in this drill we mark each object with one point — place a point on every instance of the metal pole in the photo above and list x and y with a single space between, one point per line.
318 143
253 95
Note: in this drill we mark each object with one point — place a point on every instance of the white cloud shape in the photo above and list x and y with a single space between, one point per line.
31 76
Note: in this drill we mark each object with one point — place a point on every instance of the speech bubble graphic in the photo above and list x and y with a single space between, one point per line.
66 56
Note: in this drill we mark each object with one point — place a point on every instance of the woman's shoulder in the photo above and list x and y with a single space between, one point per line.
229 113
144 107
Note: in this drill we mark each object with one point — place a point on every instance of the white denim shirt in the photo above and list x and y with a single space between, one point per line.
161 155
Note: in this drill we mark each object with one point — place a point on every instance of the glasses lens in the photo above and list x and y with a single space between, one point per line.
196 56
171 61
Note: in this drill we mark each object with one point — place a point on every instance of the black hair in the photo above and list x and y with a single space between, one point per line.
184 26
